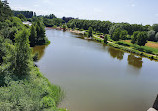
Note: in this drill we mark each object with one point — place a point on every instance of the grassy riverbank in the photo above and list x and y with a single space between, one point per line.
22 86
150 50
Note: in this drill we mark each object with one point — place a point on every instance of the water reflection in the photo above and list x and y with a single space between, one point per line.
115 53
135 61
40 50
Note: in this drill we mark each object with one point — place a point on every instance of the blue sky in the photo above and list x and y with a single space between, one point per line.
132 11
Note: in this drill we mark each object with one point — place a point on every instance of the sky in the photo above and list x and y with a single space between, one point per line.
131 11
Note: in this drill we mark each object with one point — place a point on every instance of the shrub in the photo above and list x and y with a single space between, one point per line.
142 38
123 35
134 37
90 32
116 34
151 35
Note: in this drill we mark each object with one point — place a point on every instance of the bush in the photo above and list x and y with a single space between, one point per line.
123 35
156 37
116 34
134 37
105 39
90 32
142 38
151 35
47 102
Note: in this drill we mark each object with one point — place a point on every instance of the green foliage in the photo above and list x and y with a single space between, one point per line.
33 36
155 27
34 94
64 27
123 43
23 59
100 26
134 37
146 49
151 35
22 17
142 38
116 35
123 35
90 32
105 27
156 37
23 87
47 102
27 14
5 11
106 39
41 38
114 27
52 22
51 16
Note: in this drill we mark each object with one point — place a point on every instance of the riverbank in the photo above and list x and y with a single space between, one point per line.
130 49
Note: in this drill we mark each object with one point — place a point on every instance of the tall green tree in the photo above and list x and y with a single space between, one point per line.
156 37
123 34
23 63
155 27
151 35
90 32
116 35
134 37
142 38
5 11
64 27
106 39
22 17
33 36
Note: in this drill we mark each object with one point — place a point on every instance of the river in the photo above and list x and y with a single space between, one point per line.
96 77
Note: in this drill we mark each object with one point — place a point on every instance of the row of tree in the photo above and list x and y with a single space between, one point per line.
105 27
27 14
118 31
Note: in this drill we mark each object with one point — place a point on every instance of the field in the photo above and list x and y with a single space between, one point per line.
149 44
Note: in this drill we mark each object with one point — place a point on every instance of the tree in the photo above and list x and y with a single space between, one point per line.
5 11
22 17
142 38
155 27
33 36
134 37
114 27
27 14
123 34
23 56
106 39
151 35
64 27
90 32
41 38
116 35
156 37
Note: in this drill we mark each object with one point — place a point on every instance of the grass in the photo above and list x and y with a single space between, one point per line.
149 44
34 94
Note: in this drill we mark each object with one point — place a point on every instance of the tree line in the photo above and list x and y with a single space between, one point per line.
27 14
118 31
